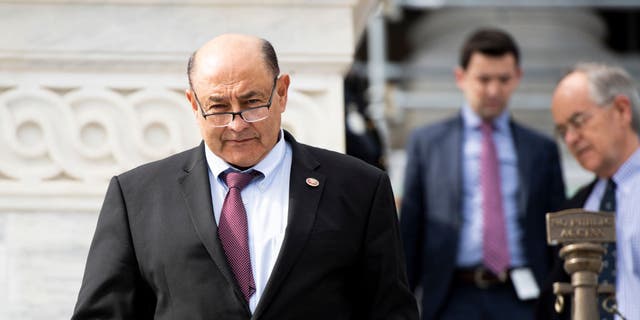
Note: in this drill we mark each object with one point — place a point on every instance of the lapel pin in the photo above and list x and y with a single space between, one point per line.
312 182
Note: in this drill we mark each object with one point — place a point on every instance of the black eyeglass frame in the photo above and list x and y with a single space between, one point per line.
239 113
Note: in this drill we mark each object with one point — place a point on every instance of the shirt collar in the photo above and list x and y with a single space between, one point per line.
472 121
266 166
628 168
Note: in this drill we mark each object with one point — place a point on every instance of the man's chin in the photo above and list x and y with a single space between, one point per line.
589 163
490 113
241 155
241 163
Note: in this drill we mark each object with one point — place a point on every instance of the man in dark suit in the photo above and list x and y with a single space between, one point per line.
596 111
250 224
477 187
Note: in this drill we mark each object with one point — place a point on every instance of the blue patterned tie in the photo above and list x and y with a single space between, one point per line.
608 274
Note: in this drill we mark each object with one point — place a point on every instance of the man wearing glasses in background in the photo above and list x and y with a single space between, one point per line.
595 108
250 224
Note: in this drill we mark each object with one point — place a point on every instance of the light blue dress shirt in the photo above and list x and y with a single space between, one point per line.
266 200
470 245
627 180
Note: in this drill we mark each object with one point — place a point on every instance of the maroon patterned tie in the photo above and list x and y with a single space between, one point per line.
494 238
233 232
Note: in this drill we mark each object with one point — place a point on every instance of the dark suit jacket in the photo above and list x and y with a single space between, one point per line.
156 254
545 308
431 213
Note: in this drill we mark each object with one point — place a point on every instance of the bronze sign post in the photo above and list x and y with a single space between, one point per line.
582 234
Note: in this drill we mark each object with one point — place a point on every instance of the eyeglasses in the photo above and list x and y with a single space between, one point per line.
575 122
252 114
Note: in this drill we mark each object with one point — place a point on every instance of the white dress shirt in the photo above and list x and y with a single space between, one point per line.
266 200
627 180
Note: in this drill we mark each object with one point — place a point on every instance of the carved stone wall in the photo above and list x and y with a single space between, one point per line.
62 142
91 88
61 145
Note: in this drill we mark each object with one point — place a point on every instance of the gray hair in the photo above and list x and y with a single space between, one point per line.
606 82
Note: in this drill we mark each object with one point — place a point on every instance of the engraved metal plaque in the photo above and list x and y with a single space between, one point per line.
579 225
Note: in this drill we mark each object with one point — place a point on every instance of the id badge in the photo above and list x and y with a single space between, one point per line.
524 283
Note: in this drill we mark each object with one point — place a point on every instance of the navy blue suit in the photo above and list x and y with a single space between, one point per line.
432 205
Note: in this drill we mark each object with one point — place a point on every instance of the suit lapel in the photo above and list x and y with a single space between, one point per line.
525 166
452 147
196 190
581 196
303 205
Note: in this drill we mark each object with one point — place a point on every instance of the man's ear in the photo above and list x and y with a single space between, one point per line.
519 73
283 90
622 105
188 93
459 74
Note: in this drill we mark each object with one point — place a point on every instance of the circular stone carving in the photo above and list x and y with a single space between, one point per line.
156 135
30 137
93 135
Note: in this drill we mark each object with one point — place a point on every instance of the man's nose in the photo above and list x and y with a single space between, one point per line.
571 136
494 88
238 123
